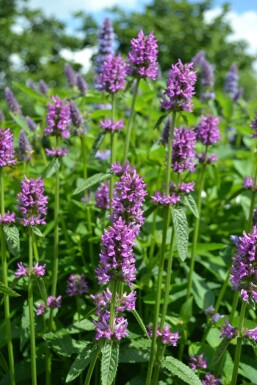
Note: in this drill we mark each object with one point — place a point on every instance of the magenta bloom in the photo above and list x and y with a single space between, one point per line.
58 118
167 337
22 271
54 302
248 183
208 130
210 379
6 148
102 196
197 362
117 260
103 300
142 57
8 218
105 44
103 329
251 333
103 154
77 285
183 149
111 125
227 331
41 308
244 266
203 158
113 76
128 197
38 270
32 204
119 170
180 88
162 199
57 152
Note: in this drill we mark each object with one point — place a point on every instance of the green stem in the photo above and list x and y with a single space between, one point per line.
239 344
31 315
196 232
35 249
90 370
166 219
234 306
113 149
130 122
5 282
113 303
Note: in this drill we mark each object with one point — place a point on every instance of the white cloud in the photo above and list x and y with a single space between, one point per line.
82 57
244 26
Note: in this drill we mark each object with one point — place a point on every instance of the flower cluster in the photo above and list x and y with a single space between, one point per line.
82 84
105 44
56 152
162 199
54 302
253 126
197 362
77 285
37 270
70 74
142 57
119 170
228 331
207 80
25 149
8 218
102 196
31 124
117 261
58 118
204 158
183 149
113 75
180 88
43 87
248 183
103 154
110 125
231 83
12 102
167 337
210 379
210 312
77 119
208 130
31 202
244 266
6 148
128 197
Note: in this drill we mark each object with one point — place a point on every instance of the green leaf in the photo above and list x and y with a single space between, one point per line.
21 122
160 120
254 345
132 355
30 92
25 330
42 288
6 290
140 322
186 310
13 239
81 362
36 231
109 362
190 203
61 342
51 169
85 184
178 369
219 352
181 231
81 326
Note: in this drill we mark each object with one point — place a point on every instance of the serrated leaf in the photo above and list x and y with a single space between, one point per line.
13 239
160 120
42 288
51 169
132 355
61 342
97 143
190 203
140 322
178 369
186 310
80 326
109 362
81 362
36 231
181 231
219 352
85 184
6 290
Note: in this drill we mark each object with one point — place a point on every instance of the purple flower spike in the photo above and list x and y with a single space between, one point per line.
231 83
251 333
105 43
111 126
186 187
58 118
248 183
197 362
25 149
77 285
117 260
210 379
43 87
103 154
119 170
77 119
168 337
12 102
81 84
32 203
6 148
38 270
180 88
70 74
31 124
208 130
142 58
228 331
57 152
183 149
22 271
102 196
162 199
253 126
103 327
113 76
41 308
54 302
244 266
8 218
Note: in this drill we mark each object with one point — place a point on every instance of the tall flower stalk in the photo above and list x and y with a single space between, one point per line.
176 97
6 159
